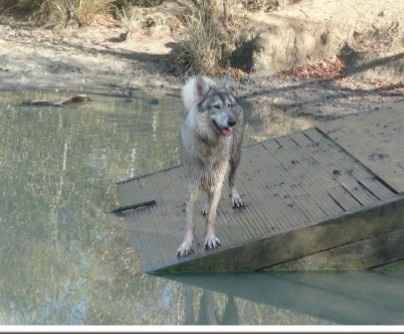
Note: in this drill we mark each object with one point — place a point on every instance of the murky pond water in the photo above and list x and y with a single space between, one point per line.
63 260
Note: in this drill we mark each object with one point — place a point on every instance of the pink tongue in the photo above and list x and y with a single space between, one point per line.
226 132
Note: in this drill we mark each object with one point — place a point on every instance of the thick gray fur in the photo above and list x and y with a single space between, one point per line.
211 138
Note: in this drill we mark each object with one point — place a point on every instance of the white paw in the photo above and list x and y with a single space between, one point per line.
185 248
236 200
212 242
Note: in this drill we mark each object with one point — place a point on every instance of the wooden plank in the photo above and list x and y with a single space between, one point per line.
344 199
297 189
358 192
270 251
300 138
376 140
357 255
374 186
314 181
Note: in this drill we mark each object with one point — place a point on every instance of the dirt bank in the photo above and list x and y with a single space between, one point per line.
90 59
102 59
367 34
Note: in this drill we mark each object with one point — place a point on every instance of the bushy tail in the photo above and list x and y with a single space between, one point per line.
194 90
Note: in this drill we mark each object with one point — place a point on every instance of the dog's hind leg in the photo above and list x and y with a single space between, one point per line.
186 246
236 200
211 241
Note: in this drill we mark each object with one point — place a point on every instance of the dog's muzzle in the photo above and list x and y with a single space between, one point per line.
225 130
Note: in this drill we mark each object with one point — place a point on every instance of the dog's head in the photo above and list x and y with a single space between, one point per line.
214 106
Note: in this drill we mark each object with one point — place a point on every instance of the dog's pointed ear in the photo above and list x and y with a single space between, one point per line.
202 87
195 89
228 83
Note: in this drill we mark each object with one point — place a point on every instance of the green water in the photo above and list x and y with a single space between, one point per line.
64 260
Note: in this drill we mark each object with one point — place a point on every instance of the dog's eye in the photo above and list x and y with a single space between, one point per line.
216 106
229 104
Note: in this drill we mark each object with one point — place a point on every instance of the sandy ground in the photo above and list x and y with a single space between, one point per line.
90 59
97 60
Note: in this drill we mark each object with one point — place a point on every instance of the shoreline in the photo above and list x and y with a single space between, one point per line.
89 61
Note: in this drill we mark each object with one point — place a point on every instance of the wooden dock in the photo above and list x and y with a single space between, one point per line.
329 198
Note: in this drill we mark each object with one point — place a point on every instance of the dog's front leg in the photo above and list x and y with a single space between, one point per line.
236 200
211 241
186 246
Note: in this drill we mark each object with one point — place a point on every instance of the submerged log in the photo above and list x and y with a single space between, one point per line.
60 103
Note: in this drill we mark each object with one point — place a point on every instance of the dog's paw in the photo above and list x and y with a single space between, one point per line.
205 208
212 242
236 200
204 211
185 248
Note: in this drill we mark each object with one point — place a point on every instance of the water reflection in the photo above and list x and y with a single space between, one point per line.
282 298
64 260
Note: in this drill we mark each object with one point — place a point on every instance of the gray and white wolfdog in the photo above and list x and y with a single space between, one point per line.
211 138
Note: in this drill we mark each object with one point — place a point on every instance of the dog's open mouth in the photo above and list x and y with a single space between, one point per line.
224 131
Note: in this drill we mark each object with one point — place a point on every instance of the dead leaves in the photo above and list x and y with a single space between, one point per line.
323 69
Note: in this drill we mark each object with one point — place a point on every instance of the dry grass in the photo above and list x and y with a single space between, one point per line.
61 12
333 68
256 5
64 12
20 6
202 50
207 42
214 33
87 10
126 19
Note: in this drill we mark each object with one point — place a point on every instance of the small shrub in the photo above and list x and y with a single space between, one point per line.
21 7
215 39
243 55
207 44
87 10
60 12
63 12
202 50
256 5
144 3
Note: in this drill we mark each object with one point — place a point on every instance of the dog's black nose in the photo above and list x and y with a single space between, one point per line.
232 122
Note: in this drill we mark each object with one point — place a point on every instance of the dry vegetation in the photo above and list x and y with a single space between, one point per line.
214 39
214 35
203 47
324 69
61 12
